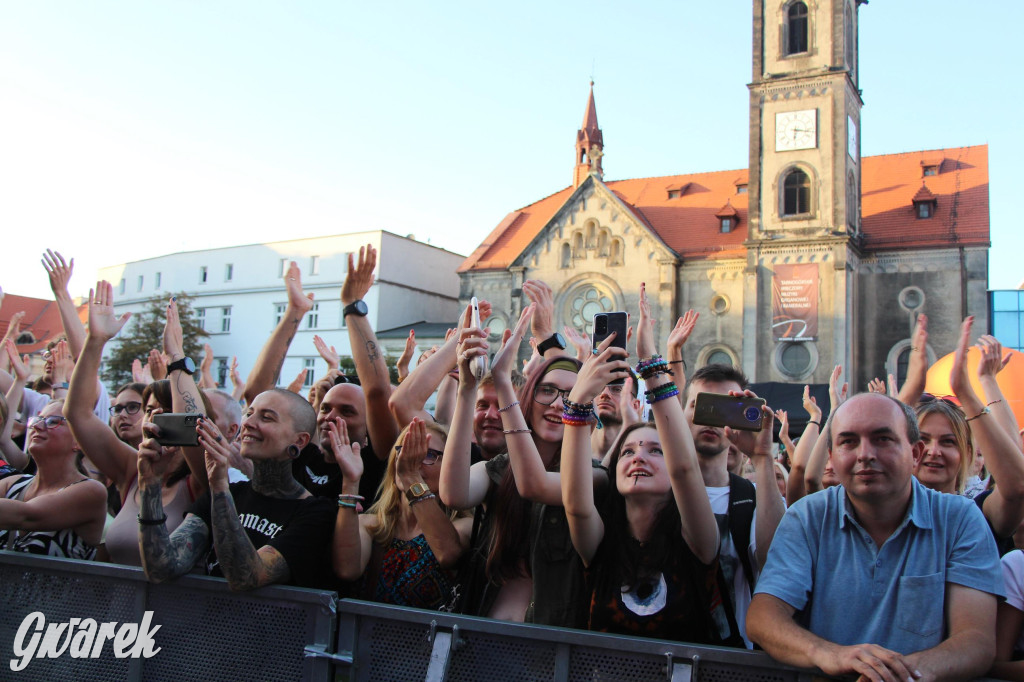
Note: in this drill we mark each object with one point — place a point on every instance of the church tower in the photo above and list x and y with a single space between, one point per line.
589 144
804 186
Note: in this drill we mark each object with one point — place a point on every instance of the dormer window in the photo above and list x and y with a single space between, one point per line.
726 224
924 203
741 189
728 218
675 193
930 170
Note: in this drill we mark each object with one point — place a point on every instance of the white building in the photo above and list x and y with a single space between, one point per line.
240 295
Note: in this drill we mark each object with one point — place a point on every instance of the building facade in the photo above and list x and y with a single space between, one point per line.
239 293
811 256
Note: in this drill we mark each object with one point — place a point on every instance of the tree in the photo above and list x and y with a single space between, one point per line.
144 332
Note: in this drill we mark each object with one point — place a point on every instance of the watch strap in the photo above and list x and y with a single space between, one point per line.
357 307
553 341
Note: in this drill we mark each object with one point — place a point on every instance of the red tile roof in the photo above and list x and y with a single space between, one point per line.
41 318
689 226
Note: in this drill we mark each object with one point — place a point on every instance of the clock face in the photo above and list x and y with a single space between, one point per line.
796 130
851 138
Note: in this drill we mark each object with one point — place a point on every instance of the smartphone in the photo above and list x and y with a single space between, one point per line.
177 428
604 325
480 363
716 409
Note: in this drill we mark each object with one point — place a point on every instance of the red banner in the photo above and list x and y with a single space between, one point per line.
795 302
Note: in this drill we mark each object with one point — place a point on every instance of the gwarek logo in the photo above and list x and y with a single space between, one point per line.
81 638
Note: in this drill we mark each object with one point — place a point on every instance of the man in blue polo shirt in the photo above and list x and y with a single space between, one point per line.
879 576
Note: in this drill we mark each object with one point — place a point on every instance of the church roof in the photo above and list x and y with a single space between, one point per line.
41 320
687 221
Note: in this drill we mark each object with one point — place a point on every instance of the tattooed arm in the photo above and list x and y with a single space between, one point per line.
185 396
245 567
165 556
268 365
368 355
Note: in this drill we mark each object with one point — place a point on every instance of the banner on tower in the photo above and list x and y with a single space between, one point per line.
795 302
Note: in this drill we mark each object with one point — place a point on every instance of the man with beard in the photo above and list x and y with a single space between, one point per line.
746 532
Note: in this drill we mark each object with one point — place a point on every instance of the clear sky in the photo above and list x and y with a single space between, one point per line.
133 129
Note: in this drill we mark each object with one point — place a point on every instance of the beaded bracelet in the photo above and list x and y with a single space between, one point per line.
422 498
348 505
351 498
662 392
652 367
577 414
508 407
508 431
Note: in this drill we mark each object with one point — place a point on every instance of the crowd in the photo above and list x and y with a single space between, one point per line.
870 545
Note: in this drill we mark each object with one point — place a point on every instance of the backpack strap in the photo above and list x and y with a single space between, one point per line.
742 501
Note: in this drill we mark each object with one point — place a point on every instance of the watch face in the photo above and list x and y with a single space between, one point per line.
190 366
559 340
796 130
357 308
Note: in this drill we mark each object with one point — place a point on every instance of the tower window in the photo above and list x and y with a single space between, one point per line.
796 193
796 28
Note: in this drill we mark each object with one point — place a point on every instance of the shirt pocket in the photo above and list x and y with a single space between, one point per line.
555 542
919 604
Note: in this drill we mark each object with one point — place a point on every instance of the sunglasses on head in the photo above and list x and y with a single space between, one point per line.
929 398
430 458
131 408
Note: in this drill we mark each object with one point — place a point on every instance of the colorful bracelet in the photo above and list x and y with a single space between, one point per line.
348 505
662 392
980 414
652 367
508 407
351 498
422 498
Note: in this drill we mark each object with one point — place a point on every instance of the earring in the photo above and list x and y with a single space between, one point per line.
293 451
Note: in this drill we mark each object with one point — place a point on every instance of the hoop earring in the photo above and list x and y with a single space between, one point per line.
293 451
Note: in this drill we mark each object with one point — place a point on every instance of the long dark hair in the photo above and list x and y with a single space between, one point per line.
665 537
161 390
509 538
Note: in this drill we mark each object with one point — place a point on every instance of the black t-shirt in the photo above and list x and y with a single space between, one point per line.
300 529
323 479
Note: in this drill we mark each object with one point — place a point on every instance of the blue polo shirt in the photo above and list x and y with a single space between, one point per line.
846 590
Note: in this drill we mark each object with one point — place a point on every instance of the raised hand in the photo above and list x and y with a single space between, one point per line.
14 326
207 358
472 344
811 406
157 365
958 379
753 443
298 382
58 271
328 353
63 363
540 296
876 385
645 345
505 360
342 451
154 459
359 277
103 325
894 391
218 454
992 359
783 421
297 300
406 357
837 393
137 374
410 456
680 333
174 344
629 407
236 378
583 344
18 363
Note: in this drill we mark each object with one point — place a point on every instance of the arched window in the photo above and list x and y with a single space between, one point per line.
602 243
796 28
796 193
851 200
617 251
566 259
591 235
577 245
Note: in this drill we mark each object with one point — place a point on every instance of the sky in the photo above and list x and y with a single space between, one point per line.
130 130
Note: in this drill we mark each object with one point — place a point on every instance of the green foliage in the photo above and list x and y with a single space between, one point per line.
348 366
144 332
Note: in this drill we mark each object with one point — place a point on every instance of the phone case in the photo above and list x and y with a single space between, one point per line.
480 364
177 428
604 325
717 409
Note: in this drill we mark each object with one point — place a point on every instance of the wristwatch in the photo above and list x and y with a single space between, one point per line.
357 307
185 365
554 341
417 490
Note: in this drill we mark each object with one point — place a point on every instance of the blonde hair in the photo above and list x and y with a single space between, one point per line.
961 432
388 506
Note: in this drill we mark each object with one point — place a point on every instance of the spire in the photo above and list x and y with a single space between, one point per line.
589 144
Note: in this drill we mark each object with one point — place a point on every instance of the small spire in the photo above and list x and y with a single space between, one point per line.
589 144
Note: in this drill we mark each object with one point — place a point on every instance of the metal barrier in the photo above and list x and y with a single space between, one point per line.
206 631
393 644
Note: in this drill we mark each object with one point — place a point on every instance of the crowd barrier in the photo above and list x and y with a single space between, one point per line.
208 632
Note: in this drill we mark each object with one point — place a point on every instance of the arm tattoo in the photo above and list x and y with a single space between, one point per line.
241 564
167 556
189 400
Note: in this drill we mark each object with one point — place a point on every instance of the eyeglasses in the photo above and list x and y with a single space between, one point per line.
546 394
53 421
131 408
430 458
614 389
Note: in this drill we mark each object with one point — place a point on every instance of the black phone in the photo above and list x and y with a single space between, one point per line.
736 412
177 428
604 325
